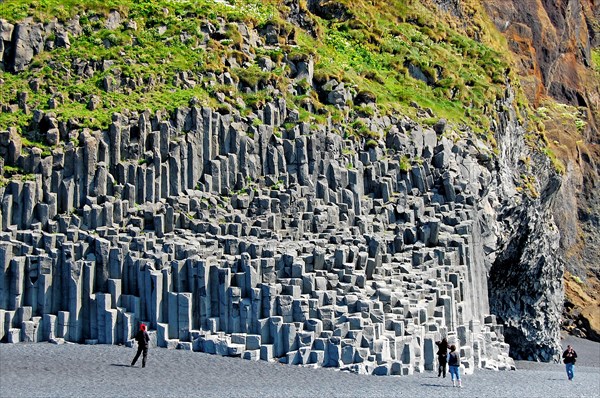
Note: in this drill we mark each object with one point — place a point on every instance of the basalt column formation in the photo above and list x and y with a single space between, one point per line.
241 237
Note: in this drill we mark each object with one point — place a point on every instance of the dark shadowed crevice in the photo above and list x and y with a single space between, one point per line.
524 283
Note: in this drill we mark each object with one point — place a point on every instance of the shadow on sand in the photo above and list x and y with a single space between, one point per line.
436 385
120 364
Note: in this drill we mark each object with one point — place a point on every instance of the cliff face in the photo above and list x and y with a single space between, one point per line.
252 233
552 42
525 282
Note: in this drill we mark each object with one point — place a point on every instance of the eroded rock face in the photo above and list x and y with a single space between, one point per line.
553 42
525 274
526 286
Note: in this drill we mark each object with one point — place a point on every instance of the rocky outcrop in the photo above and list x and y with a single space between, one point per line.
27 41
329 9
262 237
526 289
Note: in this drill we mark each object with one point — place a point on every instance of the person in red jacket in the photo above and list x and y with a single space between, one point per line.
142 339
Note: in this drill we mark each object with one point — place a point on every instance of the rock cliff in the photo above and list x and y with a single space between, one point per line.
553 43
266 237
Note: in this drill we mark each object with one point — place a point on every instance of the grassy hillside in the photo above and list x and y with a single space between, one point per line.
398 52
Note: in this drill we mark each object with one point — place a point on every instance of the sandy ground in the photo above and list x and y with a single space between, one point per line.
70 370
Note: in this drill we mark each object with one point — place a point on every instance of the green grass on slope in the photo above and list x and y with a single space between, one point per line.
596 59
374 49
151 10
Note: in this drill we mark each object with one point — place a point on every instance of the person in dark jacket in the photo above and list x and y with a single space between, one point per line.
454 365
441 354
569 357
142 339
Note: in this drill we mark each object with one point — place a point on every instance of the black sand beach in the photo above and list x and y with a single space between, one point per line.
69 370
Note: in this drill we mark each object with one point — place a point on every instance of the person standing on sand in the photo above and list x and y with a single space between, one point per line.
441 354
569 357
454 365
142 339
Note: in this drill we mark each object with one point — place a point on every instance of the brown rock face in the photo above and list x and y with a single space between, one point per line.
552 40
